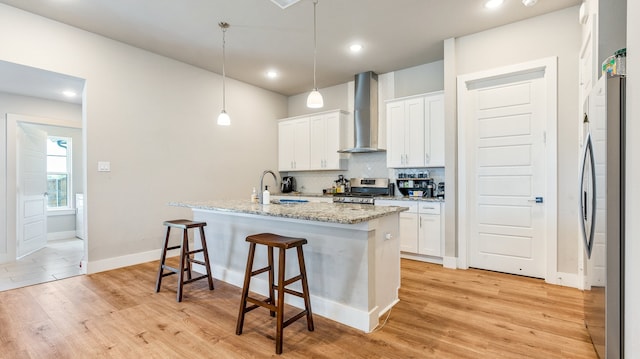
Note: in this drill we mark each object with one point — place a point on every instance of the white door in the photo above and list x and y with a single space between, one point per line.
32 188
507 189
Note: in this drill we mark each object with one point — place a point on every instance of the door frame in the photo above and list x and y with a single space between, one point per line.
549 66
11 177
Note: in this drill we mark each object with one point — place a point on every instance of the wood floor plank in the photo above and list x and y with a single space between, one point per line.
442 313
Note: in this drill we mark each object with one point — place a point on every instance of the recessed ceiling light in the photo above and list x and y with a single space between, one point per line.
272 74
529 2
69 93
492 4
355 48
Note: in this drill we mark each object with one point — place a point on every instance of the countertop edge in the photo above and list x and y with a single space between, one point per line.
260 210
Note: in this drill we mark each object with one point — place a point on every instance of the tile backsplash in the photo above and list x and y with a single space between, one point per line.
365 165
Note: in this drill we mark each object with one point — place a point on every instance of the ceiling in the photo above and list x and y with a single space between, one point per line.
395 34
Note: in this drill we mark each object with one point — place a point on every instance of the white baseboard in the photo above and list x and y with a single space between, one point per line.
421 258
125 261
450 262
354 317
54 236
567 280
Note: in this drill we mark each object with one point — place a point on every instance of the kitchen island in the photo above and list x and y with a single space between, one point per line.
352 255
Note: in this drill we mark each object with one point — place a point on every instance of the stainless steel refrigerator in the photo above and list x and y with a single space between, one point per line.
602 183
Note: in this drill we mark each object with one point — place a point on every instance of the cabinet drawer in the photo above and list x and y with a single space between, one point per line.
430 208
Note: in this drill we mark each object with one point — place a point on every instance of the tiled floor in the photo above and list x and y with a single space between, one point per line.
59 259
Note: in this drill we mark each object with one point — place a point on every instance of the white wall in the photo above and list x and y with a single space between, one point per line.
556 34
153 118
419 79
632 245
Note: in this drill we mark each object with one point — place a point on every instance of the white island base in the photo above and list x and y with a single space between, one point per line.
353 269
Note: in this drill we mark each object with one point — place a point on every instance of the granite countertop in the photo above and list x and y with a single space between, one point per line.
322 212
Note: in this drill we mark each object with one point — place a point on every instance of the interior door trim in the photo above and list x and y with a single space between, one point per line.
550 66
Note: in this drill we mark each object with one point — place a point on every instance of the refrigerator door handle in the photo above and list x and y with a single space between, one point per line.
588 159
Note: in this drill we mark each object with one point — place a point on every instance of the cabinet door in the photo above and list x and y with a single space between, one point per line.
414 133
409 232
395 134
286 138
429 236
301 144
333 135
434 131
293 145
318 142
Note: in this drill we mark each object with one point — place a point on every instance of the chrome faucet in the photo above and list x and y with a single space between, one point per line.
261 180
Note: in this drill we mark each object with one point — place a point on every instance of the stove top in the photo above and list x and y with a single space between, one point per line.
363 191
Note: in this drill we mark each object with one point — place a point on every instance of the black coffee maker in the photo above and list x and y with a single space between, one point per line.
288 184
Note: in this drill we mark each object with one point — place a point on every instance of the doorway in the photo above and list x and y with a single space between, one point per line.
28 90
58 253
507 121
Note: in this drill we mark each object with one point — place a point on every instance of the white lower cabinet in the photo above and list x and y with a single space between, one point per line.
421 235
429 231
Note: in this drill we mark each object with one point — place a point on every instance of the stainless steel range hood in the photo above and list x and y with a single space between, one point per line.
365 116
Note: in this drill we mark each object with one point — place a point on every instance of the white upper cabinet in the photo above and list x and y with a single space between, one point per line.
434 130
293 145
405 128
311 143
327 137
415 131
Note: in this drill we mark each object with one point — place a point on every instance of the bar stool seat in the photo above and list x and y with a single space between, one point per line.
275 306
186 256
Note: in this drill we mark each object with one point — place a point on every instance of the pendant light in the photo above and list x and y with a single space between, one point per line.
315 98
223 118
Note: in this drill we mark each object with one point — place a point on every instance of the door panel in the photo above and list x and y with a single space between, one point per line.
32 187
414 135
507 225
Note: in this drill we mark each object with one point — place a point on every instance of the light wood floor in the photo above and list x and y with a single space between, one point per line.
442 314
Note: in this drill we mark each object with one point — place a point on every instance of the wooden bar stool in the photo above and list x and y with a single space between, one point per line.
275 306
186 256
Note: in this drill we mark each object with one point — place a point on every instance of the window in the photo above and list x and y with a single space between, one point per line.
59 172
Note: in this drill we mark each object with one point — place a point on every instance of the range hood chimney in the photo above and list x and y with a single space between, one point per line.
365 116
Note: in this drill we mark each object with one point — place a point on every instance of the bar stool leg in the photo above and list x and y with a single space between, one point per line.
183 247
280 302
245 288
305 288
187 256
206 258
272 296
163 257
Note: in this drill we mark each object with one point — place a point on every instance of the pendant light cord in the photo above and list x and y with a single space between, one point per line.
315 45
224 27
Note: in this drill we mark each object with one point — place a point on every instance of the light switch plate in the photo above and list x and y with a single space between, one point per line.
104 166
